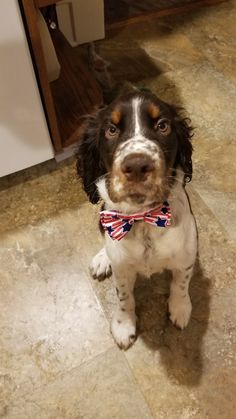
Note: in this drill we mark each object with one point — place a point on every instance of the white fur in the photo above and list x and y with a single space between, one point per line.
147 249
137 143
100 266
123 328
136 106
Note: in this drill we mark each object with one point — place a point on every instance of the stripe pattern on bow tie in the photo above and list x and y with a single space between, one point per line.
118 224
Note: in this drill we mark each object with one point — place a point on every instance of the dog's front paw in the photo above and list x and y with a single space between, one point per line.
100 266
180 310
123 328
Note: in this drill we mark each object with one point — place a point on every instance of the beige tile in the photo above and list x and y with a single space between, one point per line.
50 319
216 250
211 35
205 93
209 32
223 205
67 231
103 388
164 49
33 195
214 399
214 164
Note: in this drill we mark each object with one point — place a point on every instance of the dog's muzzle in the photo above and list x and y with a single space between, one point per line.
137 172
137 167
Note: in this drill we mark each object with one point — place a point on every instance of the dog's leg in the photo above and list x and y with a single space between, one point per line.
180 306
100 266
123 325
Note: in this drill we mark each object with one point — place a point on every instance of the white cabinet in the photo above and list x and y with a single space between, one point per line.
81 21
24 136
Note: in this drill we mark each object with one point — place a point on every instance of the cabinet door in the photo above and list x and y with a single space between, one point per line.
24 136
81 21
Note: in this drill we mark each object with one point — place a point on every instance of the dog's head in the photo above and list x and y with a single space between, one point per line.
138 143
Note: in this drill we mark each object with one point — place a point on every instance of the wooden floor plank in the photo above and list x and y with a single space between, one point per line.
125 12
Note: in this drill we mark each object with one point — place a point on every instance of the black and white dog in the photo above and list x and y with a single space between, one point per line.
135 154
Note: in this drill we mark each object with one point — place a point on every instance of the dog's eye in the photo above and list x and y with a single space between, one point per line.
163 125
111 132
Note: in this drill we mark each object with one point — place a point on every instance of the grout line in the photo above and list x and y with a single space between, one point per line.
137 383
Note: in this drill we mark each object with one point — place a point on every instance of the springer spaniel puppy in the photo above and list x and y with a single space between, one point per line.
135 154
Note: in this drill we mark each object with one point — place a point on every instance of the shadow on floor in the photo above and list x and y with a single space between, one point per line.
180 351
132 64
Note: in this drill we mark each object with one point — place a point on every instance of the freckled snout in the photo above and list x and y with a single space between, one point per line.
137 167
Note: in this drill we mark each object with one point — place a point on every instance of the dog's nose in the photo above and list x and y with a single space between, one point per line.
137 167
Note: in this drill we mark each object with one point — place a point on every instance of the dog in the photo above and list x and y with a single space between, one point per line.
135 155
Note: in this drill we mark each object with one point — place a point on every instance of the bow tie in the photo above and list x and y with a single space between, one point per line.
118 224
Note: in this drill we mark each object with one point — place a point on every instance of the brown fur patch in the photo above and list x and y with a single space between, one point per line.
116 117
153 111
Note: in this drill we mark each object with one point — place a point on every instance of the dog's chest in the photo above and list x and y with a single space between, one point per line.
151 246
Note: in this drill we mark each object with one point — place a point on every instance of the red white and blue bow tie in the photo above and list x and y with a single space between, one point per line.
118 224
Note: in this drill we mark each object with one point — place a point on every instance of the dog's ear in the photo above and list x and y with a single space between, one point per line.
184 132
89 163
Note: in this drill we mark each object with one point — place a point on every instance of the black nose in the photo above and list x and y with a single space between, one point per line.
137 167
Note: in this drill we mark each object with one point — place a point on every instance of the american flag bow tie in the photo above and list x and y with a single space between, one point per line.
118 224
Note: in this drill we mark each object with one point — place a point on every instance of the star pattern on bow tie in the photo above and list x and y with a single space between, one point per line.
118 224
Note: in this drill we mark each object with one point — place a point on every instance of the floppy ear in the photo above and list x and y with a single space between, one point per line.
184 153
89 164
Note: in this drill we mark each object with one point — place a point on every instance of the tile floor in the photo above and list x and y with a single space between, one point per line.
57 358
